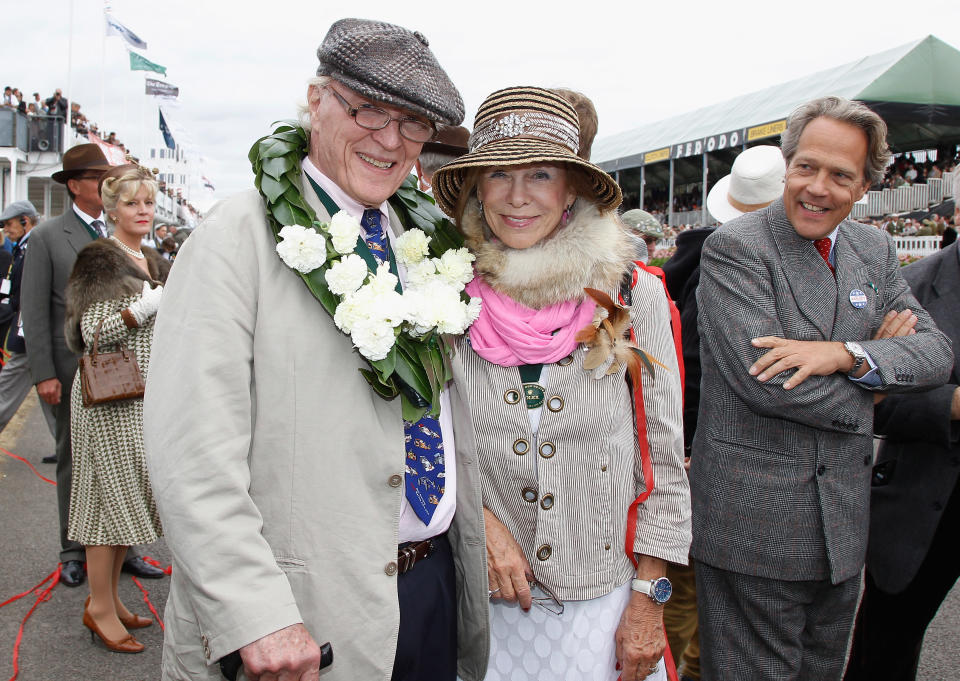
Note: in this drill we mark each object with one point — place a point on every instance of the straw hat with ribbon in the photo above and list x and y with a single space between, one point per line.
520 126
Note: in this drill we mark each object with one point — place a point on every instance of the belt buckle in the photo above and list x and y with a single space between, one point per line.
407 559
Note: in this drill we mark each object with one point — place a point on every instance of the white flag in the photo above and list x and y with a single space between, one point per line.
114 27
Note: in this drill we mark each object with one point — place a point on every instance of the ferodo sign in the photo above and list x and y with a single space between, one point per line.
725 140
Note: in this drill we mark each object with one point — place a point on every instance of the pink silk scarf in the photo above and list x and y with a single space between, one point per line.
510 334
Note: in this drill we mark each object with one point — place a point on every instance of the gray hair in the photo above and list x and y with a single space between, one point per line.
314 87
845 111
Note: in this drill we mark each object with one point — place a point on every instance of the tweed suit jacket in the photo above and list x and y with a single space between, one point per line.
780 478
919 460
54 245
280 484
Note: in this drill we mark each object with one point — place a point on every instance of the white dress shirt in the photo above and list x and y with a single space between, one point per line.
411 527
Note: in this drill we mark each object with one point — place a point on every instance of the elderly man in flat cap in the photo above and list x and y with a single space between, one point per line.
286 490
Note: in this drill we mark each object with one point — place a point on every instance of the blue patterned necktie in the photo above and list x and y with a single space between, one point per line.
425 476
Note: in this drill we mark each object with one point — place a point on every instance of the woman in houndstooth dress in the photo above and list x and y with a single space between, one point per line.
111 503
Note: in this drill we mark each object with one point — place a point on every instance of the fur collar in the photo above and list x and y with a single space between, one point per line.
593 250
103 272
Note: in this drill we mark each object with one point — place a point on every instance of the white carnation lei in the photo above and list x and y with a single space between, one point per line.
370 309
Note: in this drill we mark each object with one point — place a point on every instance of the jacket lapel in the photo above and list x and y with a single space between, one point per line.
852 322
76 234
813 286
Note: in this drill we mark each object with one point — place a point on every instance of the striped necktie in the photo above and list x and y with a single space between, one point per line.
98 227
425 471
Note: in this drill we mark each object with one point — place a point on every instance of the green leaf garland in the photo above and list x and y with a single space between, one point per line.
416 368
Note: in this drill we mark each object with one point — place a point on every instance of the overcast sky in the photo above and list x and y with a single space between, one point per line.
240 66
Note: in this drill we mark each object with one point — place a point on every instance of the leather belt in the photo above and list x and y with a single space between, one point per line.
409 555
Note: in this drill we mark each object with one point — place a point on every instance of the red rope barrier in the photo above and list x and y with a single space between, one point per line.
157 564
146 599
35 471
43 596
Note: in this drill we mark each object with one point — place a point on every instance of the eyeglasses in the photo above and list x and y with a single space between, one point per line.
544 598
374 118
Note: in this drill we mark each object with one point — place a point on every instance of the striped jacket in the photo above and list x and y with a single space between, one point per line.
564 493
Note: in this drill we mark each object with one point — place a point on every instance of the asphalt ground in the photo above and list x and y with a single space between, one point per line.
56 646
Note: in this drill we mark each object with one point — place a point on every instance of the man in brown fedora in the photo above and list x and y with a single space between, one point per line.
451 142
53 249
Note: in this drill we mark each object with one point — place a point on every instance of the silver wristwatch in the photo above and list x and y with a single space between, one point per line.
859 356
658 590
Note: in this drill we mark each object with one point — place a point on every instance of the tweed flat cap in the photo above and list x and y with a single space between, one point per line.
16 209
390 64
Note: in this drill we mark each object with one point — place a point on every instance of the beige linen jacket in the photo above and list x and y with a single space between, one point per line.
277 470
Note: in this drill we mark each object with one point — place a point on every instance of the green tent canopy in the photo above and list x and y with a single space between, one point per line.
914 87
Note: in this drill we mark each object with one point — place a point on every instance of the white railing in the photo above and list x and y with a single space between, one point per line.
917 245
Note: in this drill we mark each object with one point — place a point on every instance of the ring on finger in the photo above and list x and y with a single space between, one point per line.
492 591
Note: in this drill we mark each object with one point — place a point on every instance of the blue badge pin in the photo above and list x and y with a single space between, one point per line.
858 298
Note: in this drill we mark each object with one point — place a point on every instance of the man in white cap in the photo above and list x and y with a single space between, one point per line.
287 492
755 181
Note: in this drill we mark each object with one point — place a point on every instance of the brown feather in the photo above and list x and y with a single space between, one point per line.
601 299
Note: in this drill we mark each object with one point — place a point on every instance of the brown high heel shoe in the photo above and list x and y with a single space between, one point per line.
127 644
135 621
132 622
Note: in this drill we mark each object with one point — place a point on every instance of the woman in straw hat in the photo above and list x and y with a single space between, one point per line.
585 498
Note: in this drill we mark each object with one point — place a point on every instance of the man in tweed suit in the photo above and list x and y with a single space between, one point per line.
789 299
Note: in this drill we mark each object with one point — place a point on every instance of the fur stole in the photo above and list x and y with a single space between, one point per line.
592 251
103 272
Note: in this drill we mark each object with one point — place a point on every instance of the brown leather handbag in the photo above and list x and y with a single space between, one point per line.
109 376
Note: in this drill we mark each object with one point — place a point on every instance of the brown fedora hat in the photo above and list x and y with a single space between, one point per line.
451 139
79 158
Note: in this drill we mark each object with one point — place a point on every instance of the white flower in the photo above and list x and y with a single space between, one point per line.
422 272
473 310
347 276
456 267
373 338
347 315
302 248
344 230
384 280
411 247
437 304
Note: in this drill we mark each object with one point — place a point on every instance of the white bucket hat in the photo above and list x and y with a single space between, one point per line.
755 180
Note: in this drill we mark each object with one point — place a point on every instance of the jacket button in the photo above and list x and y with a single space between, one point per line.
547 449
395 481
606 547
521 446
821 470
546 502
529 494
937 506
391 568
544 552
867 460
206 647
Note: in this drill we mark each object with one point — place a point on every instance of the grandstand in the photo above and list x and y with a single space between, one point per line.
913 87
